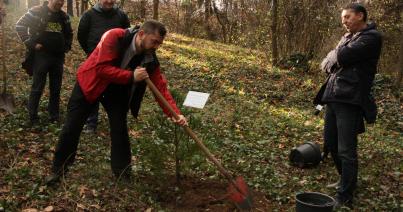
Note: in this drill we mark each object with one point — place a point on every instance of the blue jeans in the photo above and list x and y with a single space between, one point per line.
343 123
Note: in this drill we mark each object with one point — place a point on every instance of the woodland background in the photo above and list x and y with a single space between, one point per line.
259 60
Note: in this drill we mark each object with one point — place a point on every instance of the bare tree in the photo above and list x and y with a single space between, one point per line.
143 10
32 3
70 7
207 14
78 8
155 9
274 48
222 20
398 82
84 6
187 5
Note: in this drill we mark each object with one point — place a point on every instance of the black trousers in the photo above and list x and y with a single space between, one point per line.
44 64
343 123
92 120
115 102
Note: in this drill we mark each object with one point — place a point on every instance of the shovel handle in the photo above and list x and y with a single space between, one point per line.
189 131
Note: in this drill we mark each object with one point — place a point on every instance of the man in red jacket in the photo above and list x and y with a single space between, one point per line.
114 76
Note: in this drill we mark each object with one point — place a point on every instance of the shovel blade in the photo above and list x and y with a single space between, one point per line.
240 194
7 102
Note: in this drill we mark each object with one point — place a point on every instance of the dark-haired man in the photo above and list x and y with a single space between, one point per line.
46 32
347 93
103 16
122 58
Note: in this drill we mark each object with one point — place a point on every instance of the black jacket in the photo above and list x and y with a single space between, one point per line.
32 26
148 61
95 22
351 68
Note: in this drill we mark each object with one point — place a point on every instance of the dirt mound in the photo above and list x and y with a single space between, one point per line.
204 195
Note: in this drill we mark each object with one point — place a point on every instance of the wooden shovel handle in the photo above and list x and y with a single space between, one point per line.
189 131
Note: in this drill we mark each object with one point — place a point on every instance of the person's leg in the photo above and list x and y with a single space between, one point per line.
349 121
38 84
330 135
92 120
78 110
115 102
55 84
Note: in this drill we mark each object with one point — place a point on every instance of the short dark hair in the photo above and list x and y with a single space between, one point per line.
357 8
151 26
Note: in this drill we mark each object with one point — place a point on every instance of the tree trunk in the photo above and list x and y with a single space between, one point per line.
20 3
207 14
398 81
222 21
70 7
122 4
143 4
188 17
32 3
78 8
84 6
177 26
155 9
274 48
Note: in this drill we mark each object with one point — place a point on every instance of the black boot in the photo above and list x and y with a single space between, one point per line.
55 176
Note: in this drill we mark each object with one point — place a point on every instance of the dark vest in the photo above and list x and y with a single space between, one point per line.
150 62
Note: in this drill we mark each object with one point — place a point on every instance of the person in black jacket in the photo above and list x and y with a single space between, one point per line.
93 24
347 93
46 32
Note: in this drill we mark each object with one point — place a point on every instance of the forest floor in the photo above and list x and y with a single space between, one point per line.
254 117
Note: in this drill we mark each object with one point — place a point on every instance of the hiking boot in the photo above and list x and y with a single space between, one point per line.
335 185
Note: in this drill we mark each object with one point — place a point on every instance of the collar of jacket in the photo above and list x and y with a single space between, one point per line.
370 26
126 42
97 7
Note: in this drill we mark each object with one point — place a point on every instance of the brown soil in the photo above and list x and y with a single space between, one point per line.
195 194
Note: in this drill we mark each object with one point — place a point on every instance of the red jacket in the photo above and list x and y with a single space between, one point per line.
100 70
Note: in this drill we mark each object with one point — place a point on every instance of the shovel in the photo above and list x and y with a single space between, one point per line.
238 191
6 100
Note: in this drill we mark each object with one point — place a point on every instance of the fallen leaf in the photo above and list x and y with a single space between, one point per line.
49 208
81 206
96 206
82 190
30 210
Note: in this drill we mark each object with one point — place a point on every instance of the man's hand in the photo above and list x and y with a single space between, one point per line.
38 46
140 74
182 121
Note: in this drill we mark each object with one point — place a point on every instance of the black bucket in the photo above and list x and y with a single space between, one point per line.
314 202
306 155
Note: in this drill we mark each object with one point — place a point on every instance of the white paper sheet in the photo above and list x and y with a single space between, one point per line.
196 99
